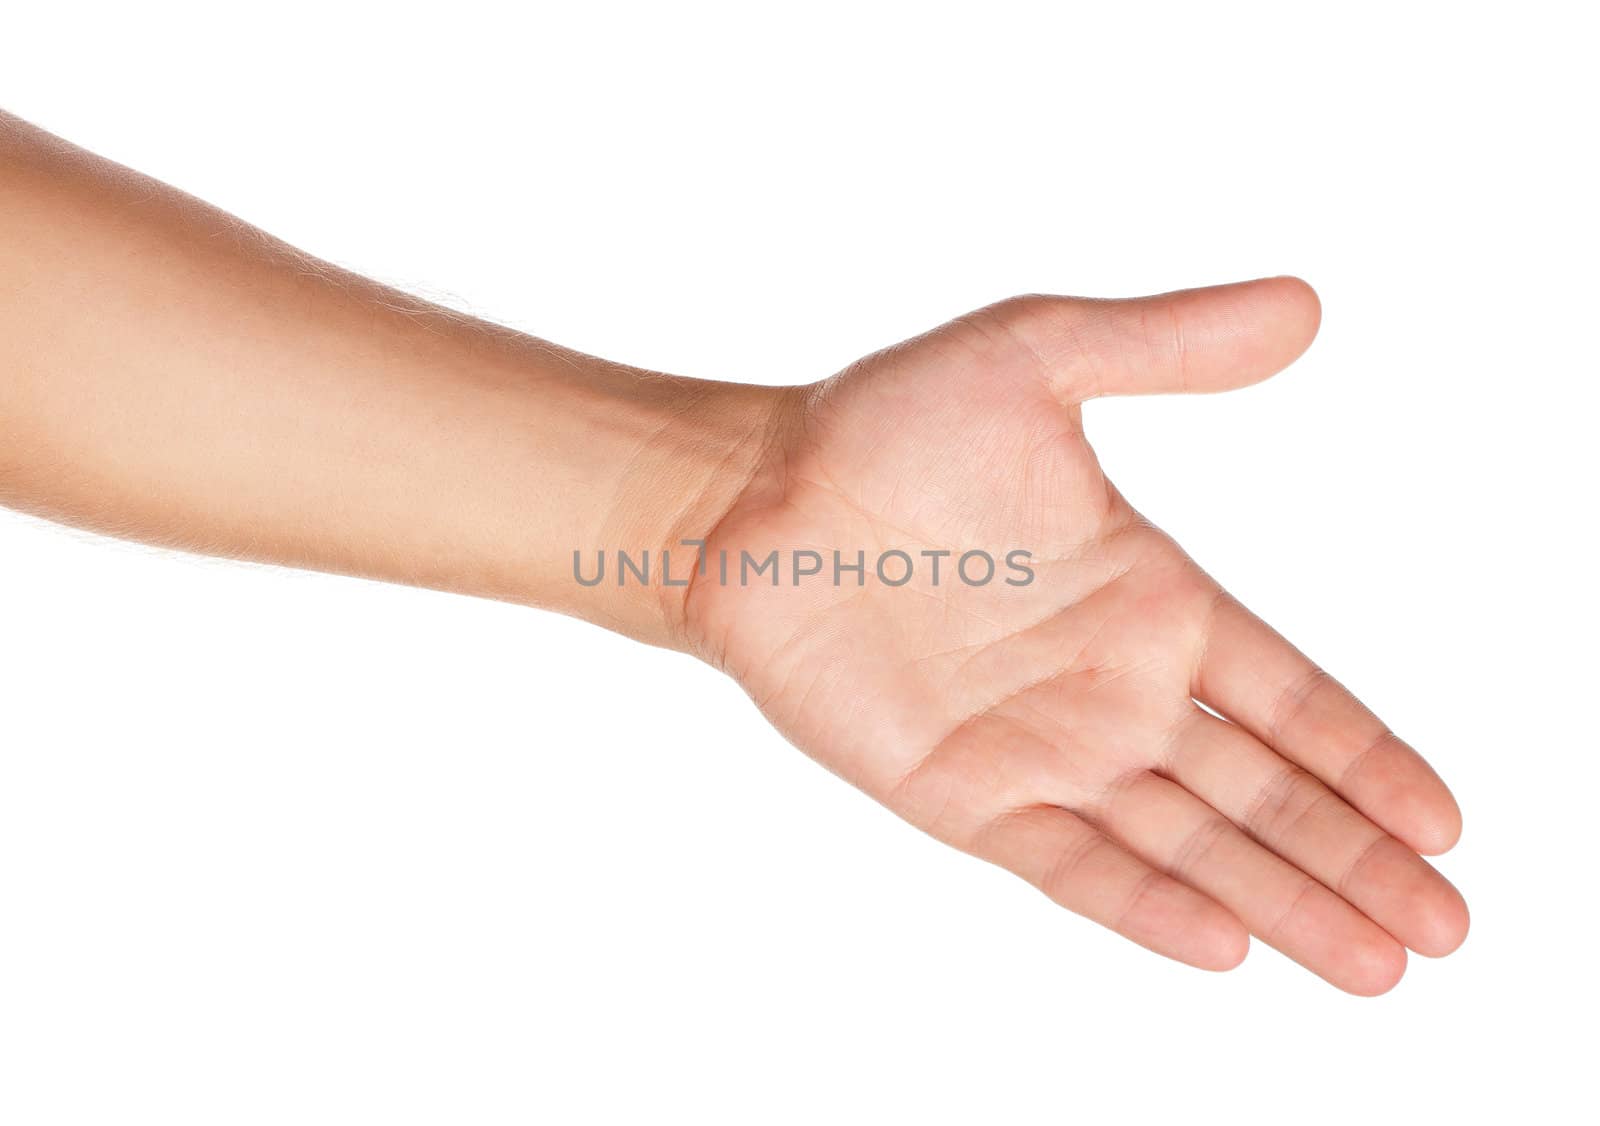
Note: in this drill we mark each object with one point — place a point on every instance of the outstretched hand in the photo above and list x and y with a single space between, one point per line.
175 376
1067 727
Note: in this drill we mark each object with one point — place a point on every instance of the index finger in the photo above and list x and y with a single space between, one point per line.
1251 675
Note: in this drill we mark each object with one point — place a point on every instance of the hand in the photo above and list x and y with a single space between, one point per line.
230 394
1053 728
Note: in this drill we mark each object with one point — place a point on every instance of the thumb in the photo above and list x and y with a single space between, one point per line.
1193 340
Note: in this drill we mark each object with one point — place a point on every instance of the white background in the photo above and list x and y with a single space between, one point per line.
277 847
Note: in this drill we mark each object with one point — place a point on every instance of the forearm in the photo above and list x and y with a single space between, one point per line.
169 374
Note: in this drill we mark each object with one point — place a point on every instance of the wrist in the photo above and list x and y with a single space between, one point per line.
657 462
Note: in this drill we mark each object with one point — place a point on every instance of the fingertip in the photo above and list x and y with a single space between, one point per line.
1445 928
1300 293
1267 324
1404 795
1376 969
1190 927
1299 312
1438 833
1230 950
1213 338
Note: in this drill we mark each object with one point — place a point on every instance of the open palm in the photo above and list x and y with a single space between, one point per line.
1055 726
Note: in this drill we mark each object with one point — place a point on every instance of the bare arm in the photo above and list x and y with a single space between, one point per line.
171 374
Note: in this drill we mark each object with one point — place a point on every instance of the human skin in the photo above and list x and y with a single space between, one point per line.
170 374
